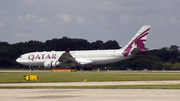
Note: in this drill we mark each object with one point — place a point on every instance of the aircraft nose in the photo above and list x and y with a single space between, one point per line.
17 60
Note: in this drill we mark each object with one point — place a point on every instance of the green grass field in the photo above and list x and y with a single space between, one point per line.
90 76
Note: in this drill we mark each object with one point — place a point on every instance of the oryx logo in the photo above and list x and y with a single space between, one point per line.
139 41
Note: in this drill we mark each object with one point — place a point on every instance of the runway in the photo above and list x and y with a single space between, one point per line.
93 83
89 95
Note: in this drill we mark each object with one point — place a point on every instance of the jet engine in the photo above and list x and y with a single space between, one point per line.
51 64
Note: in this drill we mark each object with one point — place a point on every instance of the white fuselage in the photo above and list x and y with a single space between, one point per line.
83 57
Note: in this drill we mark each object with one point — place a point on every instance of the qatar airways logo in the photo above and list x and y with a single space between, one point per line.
139 41
33 57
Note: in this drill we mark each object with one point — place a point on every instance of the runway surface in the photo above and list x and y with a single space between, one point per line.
89 95
93 83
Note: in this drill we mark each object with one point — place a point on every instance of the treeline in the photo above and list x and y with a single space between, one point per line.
167 58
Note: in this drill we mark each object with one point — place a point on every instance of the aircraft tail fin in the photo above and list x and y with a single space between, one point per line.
136 44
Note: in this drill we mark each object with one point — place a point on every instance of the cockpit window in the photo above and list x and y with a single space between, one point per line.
20 57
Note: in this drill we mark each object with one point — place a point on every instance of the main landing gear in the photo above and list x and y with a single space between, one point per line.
31 69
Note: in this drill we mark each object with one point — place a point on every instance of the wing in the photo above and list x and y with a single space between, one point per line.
67 60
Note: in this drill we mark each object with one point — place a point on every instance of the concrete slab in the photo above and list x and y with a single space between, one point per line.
89 95
92 83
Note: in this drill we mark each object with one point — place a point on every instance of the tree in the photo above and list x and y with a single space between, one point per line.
176 66
174 48
96 45
167 65
110 45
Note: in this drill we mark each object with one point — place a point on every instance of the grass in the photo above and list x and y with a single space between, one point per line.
17 77
96 87
90 76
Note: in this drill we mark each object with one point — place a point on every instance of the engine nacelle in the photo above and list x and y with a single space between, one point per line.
51 64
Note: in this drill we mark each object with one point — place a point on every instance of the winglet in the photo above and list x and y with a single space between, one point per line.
67 50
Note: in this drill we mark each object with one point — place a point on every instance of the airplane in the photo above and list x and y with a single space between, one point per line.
68 59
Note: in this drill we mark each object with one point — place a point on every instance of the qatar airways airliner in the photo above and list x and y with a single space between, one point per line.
57 59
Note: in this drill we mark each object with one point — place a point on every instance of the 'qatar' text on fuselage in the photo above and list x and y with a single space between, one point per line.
33 57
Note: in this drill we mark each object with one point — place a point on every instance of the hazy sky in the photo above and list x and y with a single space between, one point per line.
41 20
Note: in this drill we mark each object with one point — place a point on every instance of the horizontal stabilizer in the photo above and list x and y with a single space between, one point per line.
137 51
